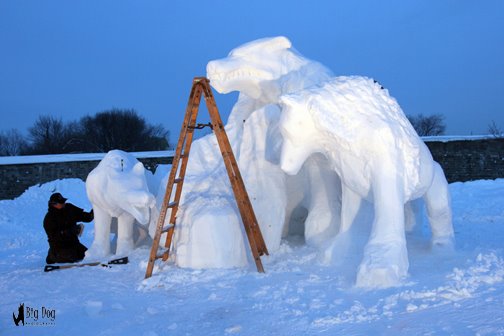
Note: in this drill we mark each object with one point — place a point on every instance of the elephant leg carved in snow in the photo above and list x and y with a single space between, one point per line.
117 188
369 143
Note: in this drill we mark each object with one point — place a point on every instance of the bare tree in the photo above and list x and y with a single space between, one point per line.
495 130
50 136
114 129
428 125
12 143
121 129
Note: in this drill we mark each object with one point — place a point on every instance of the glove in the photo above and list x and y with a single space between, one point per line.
81 229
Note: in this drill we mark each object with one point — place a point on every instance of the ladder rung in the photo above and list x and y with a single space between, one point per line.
178 180
159 256
172 205
167 228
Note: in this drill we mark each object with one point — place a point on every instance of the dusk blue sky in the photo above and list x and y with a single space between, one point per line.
74 58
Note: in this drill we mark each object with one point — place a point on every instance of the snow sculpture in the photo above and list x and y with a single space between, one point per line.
117 188
370 144
327 187
210 233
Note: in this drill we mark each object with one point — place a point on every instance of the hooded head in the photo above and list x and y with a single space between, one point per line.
56 198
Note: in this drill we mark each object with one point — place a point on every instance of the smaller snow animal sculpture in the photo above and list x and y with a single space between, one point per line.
370 144
117 187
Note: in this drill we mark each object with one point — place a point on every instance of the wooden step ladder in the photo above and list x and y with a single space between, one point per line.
201 85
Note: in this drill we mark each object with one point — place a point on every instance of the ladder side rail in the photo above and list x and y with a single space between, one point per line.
233 173
161 219
182 144
169 185
243 200
188 143
213 110
183 167
242 196
245 216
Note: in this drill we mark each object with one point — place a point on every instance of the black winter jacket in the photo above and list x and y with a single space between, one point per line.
62 232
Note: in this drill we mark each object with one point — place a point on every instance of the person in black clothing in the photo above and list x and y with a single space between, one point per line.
63 232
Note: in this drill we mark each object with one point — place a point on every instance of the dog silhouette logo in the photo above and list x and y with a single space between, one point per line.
20 317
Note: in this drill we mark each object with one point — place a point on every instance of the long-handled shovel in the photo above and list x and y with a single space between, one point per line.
120 261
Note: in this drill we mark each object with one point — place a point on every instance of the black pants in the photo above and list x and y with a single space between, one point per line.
69 254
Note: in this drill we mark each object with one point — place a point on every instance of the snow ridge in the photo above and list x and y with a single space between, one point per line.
488 270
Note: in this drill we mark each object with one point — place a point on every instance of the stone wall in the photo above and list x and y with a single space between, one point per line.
468 160
16 178
462 160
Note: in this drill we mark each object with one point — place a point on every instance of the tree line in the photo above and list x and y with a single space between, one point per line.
112 129
126 130
428 125
435 125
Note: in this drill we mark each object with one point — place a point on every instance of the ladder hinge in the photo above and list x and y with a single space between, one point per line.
200 126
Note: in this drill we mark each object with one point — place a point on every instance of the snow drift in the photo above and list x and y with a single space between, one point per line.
461 294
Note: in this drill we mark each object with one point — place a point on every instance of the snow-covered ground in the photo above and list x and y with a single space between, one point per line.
458 293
